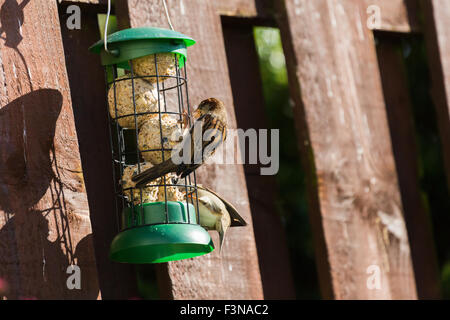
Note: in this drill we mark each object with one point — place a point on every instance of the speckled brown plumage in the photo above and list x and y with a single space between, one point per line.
211 119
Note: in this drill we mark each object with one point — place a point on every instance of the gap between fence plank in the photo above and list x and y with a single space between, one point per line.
437 26
401 123
248 99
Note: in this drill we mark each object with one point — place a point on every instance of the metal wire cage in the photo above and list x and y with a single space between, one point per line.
147 88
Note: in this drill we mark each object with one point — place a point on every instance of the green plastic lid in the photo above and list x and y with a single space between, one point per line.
140 242
134 43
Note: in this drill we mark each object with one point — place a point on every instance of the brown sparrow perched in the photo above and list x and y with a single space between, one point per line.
207 133
216 213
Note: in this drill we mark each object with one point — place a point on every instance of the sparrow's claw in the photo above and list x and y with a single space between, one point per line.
184 119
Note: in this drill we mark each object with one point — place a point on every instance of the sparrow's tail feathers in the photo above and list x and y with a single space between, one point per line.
154 172
187 170
236 219
221 240
222 229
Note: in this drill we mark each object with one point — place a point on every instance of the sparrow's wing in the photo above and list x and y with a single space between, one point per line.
236 219
214 129
213 132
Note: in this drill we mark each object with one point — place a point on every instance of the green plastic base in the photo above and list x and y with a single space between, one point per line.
181 238
160 243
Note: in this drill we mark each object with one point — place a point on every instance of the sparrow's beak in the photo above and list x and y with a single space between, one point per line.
192 196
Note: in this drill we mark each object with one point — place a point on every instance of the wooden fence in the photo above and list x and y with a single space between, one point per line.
350 99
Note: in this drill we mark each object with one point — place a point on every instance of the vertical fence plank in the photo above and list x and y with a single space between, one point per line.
437 26
234 274
401 123
84 1
395 15
245 8
44 214
117 281
340 112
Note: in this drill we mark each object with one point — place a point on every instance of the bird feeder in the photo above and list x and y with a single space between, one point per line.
147 96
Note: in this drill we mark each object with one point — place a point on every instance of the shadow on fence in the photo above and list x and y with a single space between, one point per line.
33 265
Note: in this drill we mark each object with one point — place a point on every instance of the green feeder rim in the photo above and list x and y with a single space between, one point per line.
160 243
147 238
128 44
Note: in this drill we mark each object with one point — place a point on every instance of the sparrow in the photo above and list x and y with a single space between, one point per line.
211 118
215 212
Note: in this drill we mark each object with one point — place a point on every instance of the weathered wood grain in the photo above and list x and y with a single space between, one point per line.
396 15
437 38
245 8
84 1
401 124
117 281
356 210
44 215
241 8
234 274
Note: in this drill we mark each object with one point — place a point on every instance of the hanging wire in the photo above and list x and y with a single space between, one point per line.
105 37
167 14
